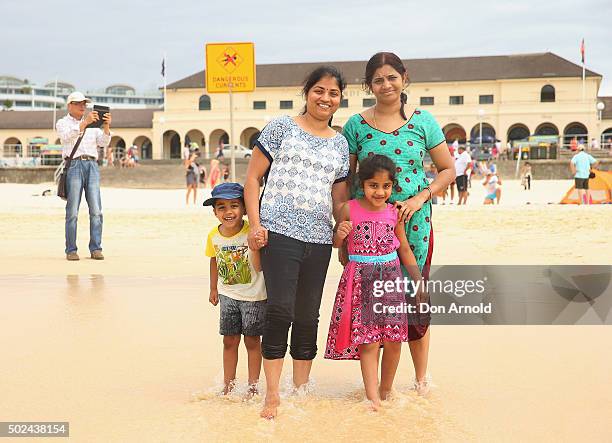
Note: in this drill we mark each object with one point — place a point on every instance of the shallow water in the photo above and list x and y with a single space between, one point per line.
139 358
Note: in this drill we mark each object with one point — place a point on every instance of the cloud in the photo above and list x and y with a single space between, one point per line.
124 42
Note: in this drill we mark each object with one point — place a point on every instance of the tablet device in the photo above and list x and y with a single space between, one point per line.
101 110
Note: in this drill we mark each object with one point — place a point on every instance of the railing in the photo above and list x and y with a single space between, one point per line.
26 156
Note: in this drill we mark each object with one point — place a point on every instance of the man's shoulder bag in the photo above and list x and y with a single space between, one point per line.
62 191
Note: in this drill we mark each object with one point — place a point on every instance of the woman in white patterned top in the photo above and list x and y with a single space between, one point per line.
306 164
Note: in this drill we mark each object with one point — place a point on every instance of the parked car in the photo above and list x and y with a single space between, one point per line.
241 151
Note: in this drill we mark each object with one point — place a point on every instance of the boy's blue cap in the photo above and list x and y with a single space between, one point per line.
225 191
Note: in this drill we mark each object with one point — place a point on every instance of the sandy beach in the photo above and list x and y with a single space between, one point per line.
128 349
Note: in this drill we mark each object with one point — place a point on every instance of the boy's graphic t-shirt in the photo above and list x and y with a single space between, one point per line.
238 279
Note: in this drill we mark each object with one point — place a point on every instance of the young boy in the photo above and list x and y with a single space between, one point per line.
237 282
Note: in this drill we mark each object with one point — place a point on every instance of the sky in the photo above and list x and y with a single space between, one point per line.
93 44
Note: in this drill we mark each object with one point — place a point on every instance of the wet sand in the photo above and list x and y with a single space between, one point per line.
128 349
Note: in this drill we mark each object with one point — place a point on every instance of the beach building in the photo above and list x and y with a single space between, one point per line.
511 97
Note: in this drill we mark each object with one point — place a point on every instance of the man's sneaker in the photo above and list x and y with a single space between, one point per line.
97 255
72 256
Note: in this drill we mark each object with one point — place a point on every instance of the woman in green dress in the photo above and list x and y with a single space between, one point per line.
404 134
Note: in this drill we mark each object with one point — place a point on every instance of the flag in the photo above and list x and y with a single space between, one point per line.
163 70
582 50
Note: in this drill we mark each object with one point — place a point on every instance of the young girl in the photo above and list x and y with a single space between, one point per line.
364 314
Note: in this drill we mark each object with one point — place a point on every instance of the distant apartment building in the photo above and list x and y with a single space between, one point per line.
20 95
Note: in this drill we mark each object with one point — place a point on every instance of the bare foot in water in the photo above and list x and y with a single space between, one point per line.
270 409
422 387
384 393
229 387
251 392
375 405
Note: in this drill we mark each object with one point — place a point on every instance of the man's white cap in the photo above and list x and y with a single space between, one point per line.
77 96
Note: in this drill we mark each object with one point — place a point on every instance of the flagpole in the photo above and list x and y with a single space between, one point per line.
165 81
54 104
162 119
583 71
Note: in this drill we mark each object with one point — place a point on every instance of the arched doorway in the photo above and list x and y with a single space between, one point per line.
145 147
546 129
248 137
196 136
518 131
606 139
453 132
172 145
58 141
578 130
12 147
118 145
216 137
488 134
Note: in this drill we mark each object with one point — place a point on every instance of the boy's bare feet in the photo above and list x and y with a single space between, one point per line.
270 409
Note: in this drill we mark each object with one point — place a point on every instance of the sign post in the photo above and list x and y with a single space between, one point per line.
230 68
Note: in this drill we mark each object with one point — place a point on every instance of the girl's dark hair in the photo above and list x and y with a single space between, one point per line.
318 74
380 59
369 166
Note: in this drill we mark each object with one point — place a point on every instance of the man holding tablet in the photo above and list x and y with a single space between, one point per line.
83 173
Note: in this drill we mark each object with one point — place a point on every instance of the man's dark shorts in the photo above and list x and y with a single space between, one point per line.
462 182
241 317
581 183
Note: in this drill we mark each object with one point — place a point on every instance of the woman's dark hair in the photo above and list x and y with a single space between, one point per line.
373 164
377 61
318 74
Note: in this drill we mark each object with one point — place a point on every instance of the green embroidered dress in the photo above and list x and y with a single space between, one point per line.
406 146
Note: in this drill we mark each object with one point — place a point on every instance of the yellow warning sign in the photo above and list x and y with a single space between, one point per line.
230 62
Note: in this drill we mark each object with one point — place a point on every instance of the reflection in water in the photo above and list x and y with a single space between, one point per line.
84 293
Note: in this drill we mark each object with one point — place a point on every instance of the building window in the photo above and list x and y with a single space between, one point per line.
284 104
427 101
117 99
455 100
204 103
344 103
134 100
22 103
547 94
259 104
485 99
368 102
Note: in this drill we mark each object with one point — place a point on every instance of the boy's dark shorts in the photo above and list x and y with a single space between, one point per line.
581 183
462 182
241 317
